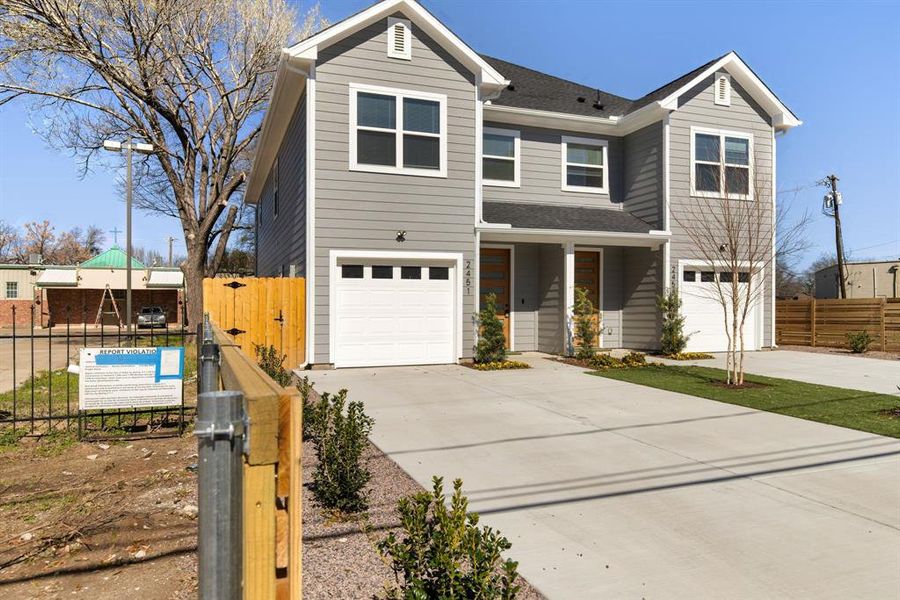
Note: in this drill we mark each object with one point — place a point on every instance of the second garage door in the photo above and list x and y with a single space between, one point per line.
704 317
394 313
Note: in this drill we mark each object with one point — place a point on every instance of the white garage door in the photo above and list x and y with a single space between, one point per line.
704 317
393 313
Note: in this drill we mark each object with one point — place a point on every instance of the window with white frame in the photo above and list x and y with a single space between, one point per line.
12 290
720 163
398 131
500 157
584 165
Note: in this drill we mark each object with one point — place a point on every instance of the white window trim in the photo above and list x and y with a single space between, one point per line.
399 94
15 285
407 54
722 133
727 100
564 144
517 157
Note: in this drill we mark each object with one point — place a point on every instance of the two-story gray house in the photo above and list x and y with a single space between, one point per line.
405 176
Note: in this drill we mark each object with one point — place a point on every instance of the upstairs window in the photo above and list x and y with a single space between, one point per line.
398 131
721 164
584 165
399 39
500 157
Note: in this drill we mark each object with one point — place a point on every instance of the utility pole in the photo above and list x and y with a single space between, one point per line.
838 238
171 239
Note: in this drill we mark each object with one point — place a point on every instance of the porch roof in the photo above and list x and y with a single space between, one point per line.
567 218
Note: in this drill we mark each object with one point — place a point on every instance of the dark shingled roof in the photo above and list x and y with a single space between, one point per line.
672 86
539 91
569 218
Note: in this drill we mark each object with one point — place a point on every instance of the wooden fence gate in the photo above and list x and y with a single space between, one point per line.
827 322
260 310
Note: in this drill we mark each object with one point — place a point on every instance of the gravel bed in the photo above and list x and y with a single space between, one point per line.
339 556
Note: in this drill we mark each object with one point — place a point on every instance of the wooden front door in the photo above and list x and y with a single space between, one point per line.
587 276
495 278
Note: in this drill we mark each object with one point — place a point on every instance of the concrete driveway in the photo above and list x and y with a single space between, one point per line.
854 372
611 490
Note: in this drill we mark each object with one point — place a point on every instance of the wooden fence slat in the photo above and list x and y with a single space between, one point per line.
826 322
259 531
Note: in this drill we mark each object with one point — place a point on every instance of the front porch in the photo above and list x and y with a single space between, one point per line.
534 272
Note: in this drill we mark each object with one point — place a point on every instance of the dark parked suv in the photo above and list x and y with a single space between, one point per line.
151 316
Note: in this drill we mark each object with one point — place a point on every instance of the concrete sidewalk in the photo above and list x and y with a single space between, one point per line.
611 490
853 372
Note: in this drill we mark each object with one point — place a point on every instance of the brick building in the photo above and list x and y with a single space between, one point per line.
92 292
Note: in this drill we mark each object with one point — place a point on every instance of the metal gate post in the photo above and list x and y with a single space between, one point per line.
208 380
220 435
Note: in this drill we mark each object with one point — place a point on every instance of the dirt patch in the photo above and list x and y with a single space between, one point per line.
893 413
844 352
339 556
99 521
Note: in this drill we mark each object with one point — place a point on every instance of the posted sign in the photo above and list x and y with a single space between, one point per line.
130 377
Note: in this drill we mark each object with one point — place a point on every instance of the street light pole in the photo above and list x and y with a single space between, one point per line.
130 147
128 238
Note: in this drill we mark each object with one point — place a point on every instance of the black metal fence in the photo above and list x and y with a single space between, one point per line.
39 390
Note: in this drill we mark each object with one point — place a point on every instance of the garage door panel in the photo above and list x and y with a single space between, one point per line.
704 318
380 321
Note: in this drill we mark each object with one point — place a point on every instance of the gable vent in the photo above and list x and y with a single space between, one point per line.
722 90
399 39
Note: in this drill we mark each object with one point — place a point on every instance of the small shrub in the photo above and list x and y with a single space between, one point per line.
859 341
491 346
9 438
307 395
272 363
340 436
605 361
443 552
501 366
673 341
585 332
634 359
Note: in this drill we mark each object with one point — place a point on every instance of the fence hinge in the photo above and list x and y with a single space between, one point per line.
234 284
234 331
207 429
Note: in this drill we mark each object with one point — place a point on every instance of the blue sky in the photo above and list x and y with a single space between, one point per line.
835 64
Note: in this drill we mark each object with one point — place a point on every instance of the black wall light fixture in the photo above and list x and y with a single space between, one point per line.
401 236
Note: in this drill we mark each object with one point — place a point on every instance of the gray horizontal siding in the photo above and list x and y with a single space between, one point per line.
363 211
525 304
643 174
641 284
698 109
551 299
541 171
612 297
281 239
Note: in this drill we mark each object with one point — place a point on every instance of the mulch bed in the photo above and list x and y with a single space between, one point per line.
339 555
843 352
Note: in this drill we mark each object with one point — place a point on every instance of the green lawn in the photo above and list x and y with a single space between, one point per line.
837 406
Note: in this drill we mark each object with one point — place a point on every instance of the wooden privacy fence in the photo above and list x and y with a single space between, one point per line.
272 477
260 310
827 322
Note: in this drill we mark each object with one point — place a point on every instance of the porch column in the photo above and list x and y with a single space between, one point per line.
569 275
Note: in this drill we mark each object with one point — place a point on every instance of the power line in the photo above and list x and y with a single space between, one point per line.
875 246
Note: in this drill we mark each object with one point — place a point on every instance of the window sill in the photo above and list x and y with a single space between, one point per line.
500 183
585 190
399 171
719 195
